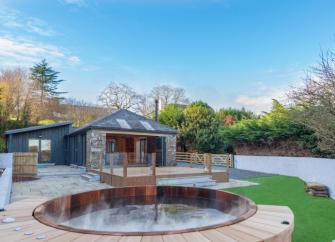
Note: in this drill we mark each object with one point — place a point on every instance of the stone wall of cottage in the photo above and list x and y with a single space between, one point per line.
95 147
171 147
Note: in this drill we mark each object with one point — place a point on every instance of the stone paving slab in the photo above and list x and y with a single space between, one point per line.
233 183
54 182
60 170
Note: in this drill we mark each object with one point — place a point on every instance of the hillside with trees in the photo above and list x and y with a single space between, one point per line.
32 97
277 132
273 133
304 128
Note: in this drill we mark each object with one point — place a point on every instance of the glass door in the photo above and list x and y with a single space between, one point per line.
42 147
143 145
45 153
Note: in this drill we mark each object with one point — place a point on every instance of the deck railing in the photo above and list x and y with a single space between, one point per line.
197 158
124 160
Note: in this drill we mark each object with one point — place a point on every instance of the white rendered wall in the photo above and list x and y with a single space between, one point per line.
6 161
307 168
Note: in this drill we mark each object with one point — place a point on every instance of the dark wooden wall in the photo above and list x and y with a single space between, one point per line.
76 149
19 142
71 149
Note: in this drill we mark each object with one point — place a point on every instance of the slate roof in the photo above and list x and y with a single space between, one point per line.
135 123
34 128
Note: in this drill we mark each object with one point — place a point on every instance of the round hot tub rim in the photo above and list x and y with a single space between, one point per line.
38 212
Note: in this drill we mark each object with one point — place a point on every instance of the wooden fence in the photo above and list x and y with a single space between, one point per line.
25 164
197 158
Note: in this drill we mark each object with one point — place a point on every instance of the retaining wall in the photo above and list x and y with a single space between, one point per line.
307 168
6 161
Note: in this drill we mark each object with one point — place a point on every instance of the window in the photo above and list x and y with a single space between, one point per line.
33 145
123 123
110 146
146 125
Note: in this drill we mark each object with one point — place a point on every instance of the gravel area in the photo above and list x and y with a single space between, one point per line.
245 174
233 172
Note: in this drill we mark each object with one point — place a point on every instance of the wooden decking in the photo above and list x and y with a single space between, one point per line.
143 175
161 172
265 225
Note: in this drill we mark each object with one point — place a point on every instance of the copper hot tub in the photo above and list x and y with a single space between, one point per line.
145 210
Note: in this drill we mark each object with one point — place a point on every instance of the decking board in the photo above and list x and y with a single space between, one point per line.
265 226
195 237
155 238
238 235
215 236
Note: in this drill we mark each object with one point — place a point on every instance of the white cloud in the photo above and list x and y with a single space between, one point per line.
40 27
22 52
260 94
75 60
75 2
14 19
9 18
260 103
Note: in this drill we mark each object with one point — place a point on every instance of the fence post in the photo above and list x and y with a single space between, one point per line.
209 163
100 166
111 162
125 165
231 161
153 165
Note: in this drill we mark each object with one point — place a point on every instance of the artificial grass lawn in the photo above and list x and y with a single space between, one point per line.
314 217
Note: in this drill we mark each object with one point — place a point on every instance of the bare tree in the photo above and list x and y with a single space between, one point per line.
121 96
145 105
169 95
81 112
316 101
118 96
18 91
179 96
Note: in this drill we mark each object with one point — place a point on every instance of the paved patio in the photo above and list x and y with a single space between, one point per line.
54 181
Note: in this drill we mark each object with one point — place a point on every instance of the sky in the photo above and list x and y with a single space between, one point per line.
228 53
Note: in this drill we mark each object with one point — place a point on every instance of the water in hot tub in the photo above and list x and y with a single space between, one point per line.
151 217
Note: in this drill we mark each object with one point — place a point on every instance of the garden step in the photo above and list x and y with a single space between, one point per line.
188 178
89 176
192 181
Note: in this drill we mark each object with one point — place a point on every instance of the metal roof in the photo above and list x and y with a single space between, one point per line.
135 122
39 127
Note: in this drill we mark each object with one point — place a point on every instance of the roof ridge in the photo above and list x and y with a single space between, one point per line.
156 122
141 116
95 121
36 127
102 118
125 114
